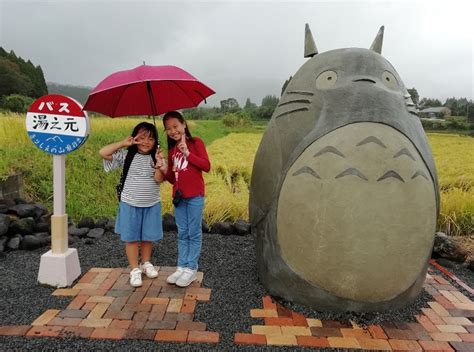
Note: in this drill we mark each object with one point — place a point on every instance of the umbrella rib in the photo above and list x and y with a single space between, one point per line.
121 94
183 91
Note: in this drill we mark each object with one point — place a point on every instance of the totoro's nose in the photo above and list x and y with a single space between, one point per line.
364 80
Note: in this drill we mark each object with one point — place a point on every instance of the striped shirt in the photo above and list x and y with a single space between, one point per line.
140 189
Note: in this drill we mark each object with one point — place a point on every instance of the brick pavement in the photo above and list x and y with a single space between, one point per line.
445 325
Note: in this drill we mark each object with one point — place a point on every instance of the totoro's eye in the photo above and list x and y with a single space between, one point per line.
326 80
389 80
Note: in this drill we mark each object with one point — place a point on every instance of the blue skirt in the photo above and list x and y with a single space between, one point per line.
139 224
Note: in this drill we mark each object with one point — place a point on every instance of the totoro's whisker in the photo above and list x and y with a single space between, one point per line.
389 174
419 173
302 92
329 149
413 112
291 111
303 101
352 171
404 151
306 170
371 139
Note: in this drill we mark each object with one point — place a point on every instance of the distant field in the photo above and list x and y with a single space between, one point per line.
90 191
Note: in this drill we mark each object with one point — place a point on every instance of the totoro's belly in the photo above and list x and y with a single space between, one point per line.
357 213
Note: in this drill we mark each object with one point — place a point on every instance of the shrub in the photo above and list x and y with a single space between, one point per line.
16 103
240 119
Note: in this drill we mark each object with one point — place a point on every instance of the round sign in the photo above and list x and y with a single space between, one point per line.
56 124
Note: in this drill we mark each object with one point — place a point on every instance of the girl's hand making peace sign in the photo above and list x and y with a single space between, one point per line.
182 147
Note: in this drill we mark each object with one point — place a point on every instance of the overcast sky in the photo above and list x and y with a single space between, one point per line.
241 48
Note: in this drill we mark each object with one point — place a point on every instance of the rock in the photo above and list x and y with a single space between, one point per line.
30 242
241 227
42 227
3 208
74 231
223 228
204 226
95 233
46 218
24 210
44 238
14 242
41 209
169 223
445 247
20 201
3 242
72 239
110 225
23 226
469 264
4 224
86 222
102 223
89 241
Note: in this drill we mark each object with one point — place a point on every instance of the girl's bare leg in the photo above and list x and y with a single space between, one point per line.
147 248
131 248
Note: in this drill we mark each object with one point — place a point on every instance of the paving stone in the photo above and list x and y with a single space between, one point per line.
174 305
136 297
461 297
435 346
141 316
65 292
467 337
73 313
405 345
17 330
140 334
250 339
326 332
312 341
431 314
426 323
203 337
188 306
336 324
282 340
343 342
65 321
160 325
89 306
463 346
377 332
439 309
296 330
314 323
108 333
78 302
96 323
283 311
451 328
44 318
118 293
374 344
266 330
279 321
44 331
155 300
98 311
121 324
191 325
268 303
445 336
78 331
171 335
398 334
262 313
356 333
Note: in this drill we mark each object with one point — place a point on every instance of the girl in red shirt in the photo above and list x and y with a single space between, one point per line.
187 159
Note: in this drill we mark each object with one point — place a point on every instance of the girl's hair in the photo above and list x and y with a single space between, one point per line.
153 132
176 115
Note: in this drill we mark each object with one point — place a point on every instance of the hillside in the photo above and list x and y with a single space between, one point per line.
77 92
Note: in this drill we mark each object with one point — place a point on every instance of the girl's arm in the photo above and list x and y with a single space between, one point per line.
107 151
200 159
160 166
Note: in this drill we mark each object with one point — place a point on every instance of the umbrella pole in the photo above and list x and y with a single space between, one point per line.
152 100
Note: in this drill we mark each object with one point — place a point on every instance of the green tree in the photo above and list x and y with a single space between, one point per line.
229 105
266 109
429 103
16 103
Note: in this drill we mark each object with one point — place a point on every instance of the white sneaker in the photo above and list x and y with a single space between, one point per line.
136 277
186 278
149 270
174 277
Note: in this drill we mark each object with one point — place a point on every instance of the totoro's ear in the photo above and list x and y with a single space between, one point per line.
309 45
377 43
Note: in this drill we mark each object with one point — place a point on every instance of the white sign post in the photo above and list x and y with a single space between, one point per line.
57 125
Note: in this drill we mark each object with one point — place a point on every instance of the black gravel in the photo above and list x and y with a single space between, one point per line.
229 267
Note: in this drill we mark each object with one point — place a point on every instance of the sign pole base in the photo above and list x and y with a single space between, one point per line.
60 269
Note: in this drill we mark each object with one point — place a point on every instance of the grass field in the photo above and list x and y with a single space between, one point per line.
90 191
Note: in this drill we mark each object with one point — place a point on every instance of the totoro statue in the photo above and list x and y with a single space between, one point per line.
344 194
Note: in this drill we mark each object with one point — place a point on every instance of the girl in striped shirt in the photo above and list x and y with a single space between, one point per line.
139 216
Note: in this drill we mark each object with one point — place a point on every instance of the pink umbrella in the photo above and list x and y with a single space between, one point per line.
146 90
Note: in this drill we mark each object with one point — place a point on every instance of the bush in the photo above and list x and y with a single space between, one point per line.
16 103
240 119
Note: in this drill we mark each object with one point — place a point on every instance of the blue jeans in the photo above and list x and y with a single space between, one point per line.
188 216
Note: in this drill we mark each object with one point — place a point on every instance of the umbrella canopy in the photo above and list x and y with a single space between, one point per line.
146 90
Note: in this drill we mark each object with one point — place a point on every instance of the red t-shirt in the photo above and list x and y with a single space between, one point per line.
188 171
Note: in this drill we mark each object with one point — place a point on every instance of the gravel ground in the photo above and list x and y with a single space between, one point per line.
229 267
